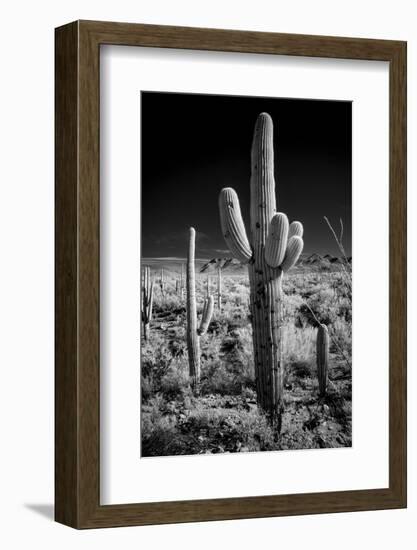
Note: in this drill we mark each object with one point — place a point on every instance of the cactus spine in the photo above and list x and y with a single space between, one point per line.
268 254
193 331
322 348
147 301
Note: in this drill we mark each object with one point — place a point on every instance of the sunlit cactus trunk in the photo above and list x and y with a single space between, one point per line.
193 331
272 250
265 281
147 301
322 350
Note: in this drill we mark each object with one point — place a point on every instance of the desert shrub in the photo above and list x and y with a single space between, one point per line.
210 346
341 339
301 369
147 388
155 355
219 378
242 430
233 315
298 344
176 381
161 437
257 433
244 355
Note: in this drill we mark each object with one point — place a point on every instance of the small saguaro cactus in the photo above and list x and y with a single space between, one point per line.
162 282
147 301
193 331
322 356
208 286
179 284
273 248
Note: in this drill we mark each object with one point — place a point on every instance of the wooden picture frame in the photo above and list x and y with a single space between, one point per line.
77 382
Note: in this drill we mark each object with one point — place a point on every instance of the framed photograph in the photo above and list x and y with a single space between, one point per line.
230 274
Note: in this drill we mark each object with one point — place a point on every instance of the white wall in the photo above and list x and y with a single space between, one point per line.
26 295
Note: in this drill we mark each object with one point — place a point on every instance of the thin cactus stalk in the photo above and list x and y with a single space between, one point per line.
322 356
208 286
219 287
193 330
147 301
269 253
162 282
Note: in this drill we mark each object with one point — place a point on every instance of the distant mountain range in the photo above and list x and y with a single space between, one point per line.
234 267
319 261
312 261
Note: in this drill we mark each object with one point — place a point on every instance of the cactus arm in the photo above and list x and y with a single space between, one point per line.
322 347
296 229
293 252
207 314
232 225
276 241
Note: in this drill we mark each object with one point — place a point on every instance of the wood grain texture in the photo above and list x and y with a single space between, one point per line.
77 405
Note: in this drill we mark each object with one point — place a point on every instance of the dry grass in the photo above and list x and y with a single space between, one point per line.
225 417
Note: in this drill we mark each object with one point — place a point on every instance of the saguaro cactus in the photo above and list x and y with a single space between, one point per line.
193 331
274 247
179 284
322 348
147 301
162 282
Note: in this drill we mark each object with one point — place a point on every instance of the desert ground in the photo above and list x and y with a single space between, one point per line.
224 416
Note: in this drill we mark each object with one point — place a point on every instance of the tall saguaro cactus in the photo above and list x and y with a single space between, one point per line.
273 248
147 301
322 348
193 331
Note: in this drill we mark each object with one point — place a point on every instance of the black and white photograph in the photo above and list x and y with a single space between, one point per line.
246 274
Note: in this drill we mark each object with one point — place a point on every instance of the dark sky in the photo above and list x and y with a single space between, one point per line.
193 145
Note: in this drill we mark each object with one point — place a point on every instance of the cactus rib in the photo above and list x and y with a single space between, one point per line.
276 241
293 252
296 229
